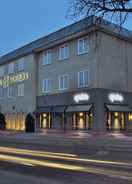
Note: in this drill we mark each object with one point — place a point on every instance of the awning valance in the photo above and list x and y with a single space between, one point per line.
119 108
59 109
44 109
79 108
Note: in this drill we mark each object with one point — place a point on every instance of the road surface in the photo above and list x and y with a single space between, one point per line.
31 165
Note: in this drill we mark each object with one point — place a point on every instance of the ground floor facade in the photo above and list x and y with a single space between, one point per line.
84 110
89 109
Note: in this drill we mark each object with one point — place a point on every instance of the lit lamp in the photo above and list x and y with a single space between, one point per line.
81 114
130 117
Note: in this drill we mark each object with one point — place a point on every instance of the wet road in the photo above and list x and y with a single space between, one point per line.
41 166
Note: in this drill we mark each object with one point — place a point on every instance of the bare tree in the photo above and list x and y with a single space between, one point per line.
116 10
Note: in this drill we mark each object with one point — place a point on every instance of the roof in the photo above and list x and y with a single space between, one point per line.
65 32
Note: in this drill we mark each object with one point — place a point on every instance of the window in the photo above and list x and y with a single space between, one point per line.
11 68
1 92
1 71
20 89
47 57
64 52
11 91
83 79
83 46
46 86
63 82
21 65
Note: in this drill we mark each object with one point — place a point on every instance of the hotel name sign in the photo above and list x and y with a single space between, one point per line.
13 79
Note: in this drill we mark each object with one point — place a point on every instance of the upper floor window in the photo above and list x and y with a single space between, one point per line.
11 68
64 52
20 89
63 82
46 85
1 92
21 65
83 46
2 71
47 57
83 79
11 91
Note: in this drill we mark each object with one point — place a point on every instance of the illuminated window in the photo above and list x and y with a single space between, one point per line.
21 65
21 89
83 79
63 82
2 71
83 46
11 68
47 57
46 85
64 52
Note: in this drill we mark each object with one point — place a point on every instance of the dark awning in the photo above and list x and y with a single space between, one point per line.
79 108
44 109
59 109
119 108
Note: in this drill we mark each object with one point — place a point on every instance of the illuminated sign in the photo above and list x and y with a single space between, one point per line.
81 97
13 79
116 97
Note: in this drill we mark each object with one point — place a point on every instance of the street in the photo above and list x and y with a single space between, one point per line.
34 163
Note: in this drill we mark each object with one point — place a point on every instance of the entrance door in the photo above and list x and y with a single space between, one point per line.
116 121
45 121
82 120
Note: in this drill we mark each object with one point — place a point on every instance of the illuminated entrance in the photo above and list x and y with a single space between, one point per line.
116 116
45 120
116 120
82 120
81 117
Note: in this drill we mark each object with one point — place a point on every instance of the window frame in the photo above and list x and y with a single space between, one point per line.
8 92
20 67
83 86
68 77
78 46
45 57
21 94
10 65
1 88
47 90
60 54
2 69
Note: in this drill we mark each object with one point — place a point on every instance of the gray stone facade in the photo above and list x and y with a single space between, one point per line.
108 61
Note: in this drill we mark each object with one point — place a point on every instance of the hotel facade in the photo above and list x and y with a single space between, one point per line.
77 78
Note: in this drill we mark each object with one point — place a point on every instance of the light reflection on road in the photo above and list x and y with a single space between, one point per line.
19 159
60 156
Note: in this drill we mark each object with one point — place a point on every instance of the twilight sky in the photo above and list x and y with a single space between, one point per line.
22 21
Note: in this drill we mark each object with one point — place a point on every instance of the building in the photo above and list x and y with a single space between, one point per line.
76 78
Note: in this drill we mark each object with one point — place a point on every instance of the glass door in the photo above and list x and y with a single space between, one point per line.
82 120
45 120
116 121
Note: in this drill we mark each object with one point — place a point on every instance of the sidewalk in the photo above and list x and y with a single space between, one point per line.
75 134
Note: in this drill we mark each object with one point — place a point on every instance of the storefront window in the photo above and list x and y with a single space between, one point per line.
15 121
